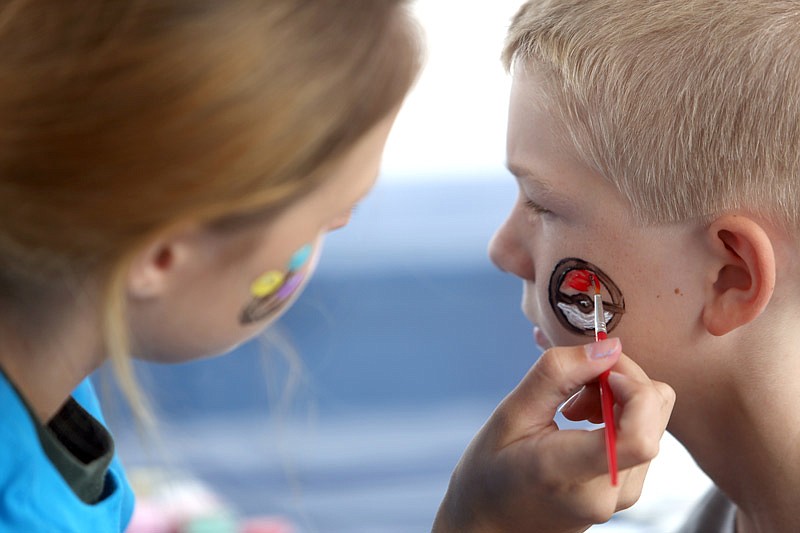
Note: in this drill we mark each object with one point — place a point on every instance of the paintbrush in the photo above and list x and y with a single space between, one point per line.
606 395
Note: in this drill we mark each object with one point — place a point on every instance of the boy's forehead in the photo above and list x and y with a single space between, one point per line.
539 150
530 87
534 150
532 115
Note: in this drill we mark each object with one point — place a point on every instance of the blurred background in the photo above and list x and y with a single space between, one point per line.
351 413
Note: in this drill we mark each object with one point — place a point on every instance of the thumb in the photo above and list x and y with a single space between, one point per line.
557 375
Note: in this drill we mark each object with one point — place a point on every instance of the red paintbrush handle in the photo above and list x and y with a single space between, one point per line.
607 403
606 396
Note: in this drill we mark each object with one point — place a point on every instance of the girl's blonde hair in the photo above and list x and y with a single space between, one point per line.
119 119
690 107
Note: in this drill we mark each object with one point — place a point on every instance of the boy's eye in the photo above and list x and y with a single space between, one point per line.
535 208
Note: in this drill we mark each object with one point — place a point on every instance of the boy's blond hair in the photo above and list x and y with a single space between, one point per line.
690 107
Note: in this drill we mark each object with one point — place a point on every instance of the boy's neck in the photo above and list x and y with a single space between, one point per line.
752 410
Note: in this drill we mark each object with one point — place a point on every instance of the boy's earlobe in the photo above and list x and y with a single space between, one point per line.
743 278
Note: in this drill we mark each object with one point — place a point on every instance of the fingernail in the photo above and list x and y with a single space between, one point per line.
602 349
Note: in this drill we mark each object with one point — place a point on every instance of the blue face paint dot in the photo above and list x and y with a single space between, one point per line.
300 257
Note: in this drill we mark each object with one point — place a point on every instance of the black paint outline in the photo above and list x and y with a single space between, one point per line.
616 306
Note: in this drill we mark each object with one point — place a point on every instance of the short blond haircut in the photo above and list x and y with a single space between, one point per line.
119 119
690 107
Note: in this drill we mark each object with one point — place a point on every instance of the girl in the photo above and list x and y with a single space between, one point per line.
168 169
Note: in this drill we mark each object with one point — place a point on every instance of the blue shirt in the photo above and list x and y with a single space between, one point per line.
33 495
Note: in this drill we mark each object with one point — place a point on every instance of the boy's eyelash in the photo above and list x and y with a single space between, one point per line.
536 208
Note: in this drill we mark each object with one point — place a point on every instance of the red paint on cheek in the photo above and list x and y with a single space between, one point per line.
580 280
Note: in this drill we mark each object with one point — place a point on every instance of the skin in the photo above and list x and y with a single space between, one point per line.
708 312
187 288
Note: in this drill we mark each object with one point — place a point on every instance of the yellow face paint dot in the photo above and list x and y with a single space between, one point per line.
266 284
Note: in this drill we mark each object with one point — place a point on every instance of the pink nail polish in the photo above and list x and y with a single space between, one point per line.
602 349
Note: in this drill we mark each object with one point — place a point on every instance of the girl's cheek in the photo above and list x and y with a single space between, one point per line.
275 290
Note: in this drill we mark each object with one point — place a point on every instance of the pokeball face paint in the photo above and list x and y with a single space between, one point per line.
571 296
273 289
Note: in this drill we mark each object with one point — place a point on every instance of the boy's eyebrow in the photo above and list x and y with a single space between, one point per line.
528 175
544 189
542 186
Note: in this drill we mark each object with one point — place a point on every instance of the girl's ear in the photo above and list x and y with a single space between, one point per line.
153 269
742 276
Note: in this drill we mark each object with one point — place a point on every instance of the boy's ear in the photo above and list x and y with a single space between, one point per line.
743 277
154 267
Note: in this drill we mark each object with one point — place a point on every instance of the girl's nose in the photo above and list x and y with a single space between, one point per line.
340 221
508 253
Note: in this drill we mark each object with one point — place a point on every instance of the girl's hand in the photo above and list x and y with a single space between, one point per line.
521 473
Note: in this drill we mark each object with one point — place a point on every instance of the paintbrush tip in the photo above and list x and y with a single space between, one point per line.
593 280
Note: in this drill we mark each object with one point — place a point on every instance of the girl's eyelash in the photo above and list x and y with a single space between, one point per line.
536 208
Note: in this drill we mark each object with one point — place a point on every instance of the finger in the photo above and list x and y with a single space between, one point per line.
563 458
557 374
632 481
585 405
627 390
627 366
648 407
579 456
644 413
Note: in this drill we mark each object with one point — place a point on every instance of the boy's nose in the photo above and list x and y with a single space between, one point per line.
507 252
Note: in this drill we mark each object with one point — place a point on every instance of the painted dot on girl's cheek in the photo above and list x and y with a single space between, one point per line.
291 285
266 284
300 257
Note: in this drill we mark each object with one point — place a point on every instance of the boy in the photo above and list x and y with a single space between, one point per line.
655 145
